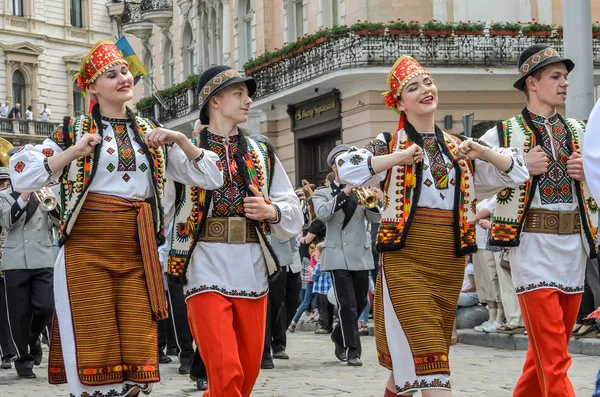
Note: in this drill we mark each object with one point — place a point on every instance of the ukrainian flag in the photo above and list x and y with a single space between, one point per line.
136 67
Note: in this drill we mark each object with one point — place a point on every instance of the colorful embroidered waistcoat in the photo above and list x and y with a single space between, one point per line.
78 175
225 201
512 204
402 187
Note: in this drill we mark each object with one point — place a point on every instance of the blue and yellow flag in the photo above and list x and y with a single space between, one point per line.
136 67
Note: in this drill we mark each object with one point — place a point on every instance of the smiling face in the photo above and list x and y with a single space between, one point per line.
115 85
232 103
551 87
419 97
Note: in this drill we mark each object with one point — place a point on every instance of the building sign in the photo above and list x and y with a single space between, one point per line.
315 111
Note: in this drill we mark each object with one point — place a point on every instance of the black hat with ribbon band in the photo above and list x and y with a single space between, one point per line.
213 80
336 151
534 58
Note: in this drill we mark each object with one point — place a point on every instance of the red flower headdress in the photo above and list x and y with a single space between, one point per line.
103 56
405 69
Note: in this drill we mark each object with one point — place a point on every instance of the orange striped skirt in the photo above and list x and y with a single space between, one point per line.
421 284
113 324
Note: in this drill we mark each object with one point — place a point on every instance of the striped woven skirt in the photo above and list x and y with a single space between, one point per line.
104 339
415 301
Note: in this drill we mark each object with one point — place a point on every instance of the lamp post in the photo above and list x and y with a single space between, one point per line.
577 33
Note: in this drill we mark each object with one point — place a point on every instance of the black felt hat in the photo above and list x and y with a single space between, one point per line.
214 80
534 58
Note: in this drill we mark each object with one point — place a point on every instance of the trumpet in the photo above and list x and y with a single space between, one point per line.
366 196
46 198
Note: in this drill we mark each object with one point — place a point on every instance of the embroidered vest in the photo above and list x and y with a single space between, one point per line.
79 174
402 188
512 204
194 203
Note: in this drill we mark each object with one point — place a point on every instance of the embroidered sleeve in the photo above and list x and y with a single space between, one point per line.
377 147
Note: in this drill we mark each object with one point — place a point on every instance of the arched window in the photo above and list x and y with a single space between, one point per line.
245 35
18 88
78 100
148 81
189 60
168 65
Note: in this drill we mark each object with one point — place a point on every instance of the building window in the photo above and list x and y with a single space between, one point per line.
148 81
334 12
299 18
17 6
76 13
18 88
78 100
189 62
168 65
215 38
248 29
244 31
205 42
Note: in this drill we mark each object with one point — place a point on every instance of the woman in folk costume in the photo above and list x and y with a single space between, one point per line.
219 246
109 287
429 179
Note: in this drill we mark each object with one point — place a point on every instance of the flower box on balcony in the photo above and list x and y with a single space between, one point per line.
366 32
308 46
504 32
287 55
404 32
435 32
323 39
541 33
299 50
277 59
468 32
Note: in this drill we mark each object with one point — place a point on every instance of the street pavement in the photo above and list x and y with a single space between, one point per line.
313 370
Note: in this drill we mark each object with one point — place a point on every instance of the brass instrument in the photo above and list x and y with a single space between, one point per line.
45 195
308 193
366 196
46 198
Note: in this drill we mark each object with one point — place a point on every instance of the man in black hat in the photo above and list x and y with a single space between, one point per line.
347 256
220 249
547 221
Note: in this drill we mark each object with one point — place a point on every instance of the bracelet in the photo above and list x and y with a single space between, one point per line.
512 165
371 170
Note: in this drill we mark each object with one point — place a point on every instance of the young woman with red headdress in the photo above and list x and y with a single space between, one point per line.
109 287
428 225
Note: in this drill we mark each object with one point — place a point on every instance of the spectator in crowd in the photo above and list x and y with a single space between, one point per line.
363 320
329 179
28 113
15 113
45 113
468 294
322 284
308 294
4 110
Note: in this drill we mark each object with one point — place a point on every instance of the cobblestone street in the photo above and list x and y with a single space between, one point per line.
313 371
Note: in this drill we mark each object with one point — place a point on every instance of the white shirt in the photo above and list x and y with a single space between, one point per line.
4 111
28 115
591 152
45 114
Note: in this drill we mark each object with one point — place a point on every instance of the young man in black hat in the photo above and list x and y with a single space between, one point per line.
220 248
550 222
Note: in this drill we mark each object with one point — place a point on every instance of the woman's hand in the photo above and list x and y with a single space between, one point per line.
86 144
470 150
412 155
161 136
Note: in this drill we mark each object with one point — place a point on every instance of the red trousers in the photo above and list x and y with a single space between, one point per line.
230 334
549 317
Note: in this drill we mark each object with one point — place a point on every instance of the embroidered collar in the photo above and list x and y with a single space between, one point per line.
427 135
231 139
539 119
113 120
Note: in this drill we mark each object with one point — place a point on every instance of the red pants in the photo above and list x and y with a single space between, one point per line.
230 334
549 317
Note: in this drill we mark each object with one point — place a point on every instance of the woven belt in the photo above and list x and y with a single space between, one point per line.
234 230
552 222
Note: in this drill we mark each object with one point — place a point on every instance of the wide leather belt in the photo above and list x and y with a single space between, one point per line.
233 230
552 222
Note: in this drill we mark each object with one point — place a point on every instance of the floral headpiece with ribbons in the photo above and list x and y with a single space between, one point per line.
405 69
103 56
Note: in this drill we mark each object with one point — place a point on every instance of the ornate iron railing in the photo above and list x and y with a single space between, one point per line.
132 12
151 5
352 51
178 107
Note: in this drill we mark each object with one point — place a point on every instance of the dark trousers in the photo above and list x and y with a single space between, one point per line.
7 347
178 321
351 289
325 312
198 368
282 301
30 301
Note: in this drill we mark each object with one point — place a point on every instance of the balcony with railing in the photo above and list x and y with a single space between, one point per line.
132 21
350 51
158 12
27 127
